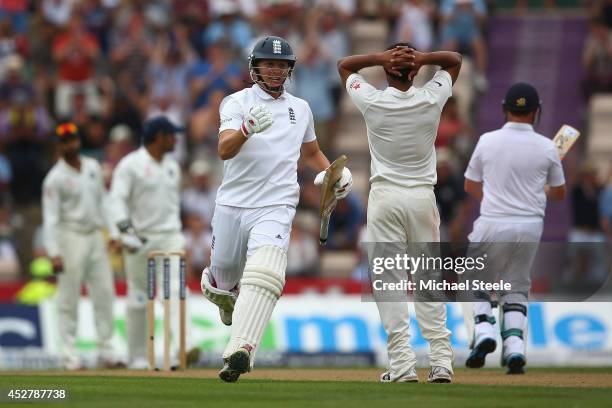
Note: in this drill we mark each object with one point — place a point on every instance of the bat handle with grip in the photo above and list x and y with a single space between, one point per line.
324 230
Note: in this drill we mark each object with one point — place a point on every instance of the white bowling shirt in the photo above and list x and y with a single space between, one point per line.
264 172
146 192
402 128
514 163
73 200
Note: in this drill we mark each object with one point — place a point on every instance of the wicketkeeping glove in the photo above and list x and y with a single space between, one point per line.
129 238
258 120
342 186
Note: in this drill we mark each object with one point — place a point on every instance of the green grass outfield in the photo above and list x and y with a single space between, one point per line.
198 388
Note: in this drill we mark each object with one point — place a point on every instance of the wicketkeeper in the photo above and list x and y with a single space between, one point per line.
145 203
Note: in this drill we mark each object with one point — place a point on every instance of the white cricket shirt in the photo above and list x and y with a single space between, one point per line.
402 128
514 163
146 192
264 172
72 200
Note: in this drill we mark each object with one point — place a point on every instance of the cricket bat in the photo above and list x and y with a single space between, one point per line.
328 198
565 139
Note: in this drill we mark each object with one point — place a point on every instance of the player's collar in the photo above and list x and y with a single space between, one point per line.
400 94
263 94
518 126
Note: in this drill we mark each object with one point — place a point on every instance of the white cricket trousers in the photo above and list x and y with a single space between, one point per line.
402 215
238 232
136 272
85 261
511 246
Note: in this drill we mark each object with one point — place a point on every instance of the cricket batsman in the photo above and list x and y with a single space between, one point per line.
264 131
402 123
73 218
511 172
145 195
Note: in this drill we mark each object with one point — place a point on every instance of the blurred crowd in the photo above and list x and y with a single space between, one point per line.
107 65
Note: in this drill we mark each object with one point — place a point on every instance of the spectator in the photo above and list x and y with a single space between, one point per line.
451 125
120 144
75 52
605 206
597 59
333 22
451 198
198 237
97 19
279 17
586 260
9 263
216 73
24 129
93 137
228 26
57 12
461 30
303 252
131 48
11 45
345 224
167 76
312 83
204 126
199 198
14 87
15 11
414 24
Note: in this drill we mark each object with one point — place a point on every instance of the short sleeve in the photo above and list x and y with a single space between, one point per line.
474 169
555 177
361 92
440 87
231 114
309 135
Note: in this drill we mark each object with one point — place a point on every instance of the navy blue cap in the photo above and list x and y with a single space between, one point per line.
521 98
159 124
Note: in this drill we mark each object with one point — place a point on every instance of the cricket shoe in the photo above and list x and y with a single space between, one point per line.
409 376
239 362
515 363
477 357
439 374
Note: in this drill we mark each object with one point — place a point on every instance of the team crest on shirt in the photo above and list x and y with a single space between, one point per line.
292 116
355 84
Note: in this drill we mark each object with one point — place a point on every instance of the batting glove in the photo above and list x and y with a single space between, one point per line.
258 120
342 186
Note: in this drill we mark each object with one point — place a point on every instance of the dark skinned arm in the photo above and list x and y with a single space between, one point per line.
401 58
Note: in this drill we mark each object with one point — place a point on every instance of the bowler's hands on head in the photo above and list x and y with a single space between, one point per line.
258 120
401 58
